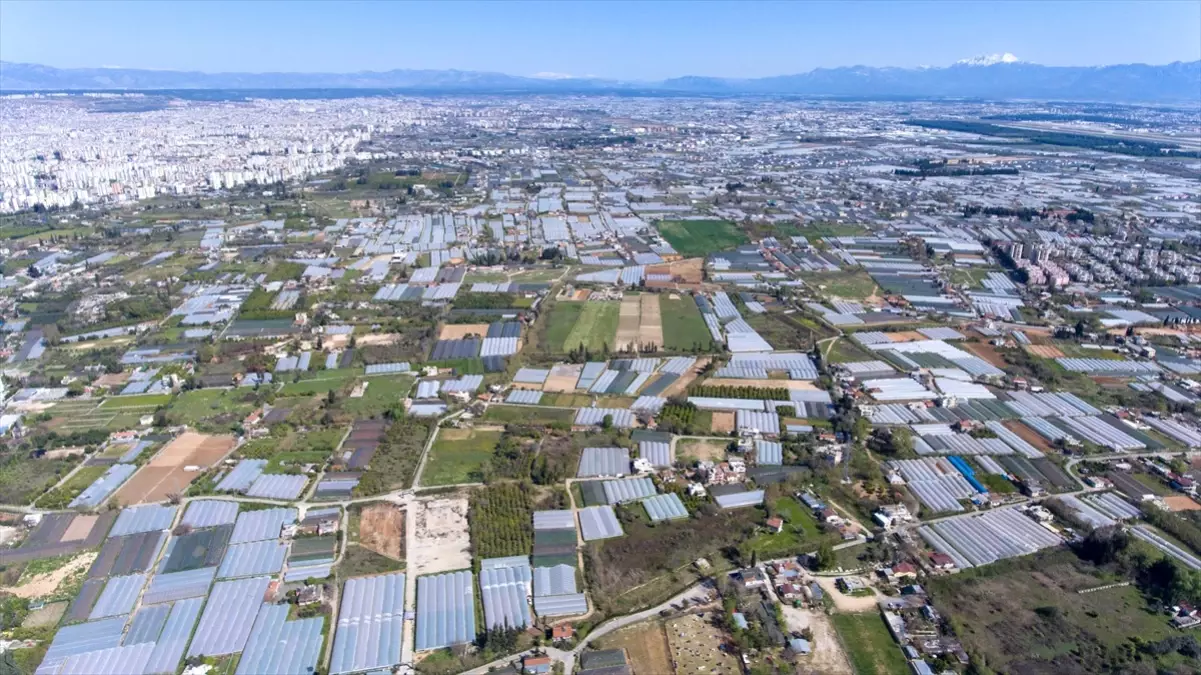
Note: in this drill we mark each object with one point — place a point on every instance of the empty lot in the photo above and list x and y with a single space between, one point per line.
166 473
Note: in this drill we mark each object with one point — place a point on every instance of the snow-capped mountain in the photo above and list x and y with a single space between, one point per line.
989 60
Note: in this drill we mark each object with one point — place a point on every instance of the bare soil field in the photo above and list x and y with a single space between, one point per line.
711 451
906 336
695 645
47 616
628 320
79 528
688 271
650 330
723 422
827 658
441 540
581 294
682 382
382 530
1029 435
563 377
1181 503
458 331
987 352
165 474
1045 351
844 602
646 647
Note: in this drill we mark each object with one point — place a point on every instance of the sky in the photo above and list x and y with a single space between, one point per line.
612 39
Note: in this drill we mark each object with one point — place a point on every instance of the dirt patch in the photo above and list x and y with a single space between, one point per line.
629 317
563 377
45 584
79 528
1029 435
906 336
1181 503
166 473
441 541
705 451
723 422
681 384
580 295
458 331
696 647
828 656
1045 351
847 603
987 352
646 647
381 529
650 330
46 616
688 271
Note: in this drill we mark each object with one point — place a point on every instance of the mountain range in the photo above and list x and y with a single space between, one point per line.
999 76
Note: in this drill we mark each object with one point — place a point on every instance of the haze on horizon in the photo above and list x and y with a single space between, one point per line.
619 40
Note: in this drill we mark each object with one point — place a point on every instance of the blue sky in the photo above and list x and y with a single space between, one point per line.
608 39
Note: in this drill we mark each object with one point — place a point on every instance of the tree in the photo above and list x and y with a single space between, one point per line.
825 557
607 422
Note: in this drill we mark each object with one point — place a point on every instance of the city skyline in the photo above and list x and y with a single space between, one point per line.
627 41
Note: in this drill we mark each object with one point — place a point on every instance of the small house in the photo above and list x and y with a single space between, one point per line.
775 525
535 665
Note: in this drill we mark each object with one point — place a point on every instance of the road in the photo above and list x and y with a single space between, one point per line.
699 591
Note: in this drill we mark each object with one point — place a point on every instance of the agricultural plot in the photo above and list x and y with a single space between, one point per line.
441 538
596 327
691 238
381 530
382 394
459 456
682 326
696 647
166 473
143 402
211 408
509 414
869 644
639 322
848 285
645 645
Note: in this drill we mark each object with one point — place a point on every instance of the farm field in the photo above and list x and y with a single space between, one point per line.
560 322
692 238
801 533
702 450
646 647
505 414
849 285
683 327
695 647
1025 615
143 401
869 645
459 456
166 474
383 393
381 530
842 350
212 408
596 327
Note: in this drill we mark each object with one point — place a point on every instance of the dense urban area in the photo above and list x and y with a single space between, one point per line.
598 385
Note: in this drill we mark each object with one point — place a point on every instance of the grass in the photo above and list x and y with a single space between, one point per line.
692 238
1153 484
683 327
358 562
459 456
383 393
801 533
565 400
596 328
563 318
847 284
1075 350
207 405
869 644
327 382
995 484
138 401
845 351
971 277
59 497
22 479
524 414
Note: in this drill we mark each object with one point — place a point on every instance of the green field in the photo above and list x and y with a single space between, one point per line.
692 238
505 414
869 644
562 319
459 456
683 327
843 350
969 277
63 494
139 401
217 406
329 379
849 285
383 393
801 533
596 327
